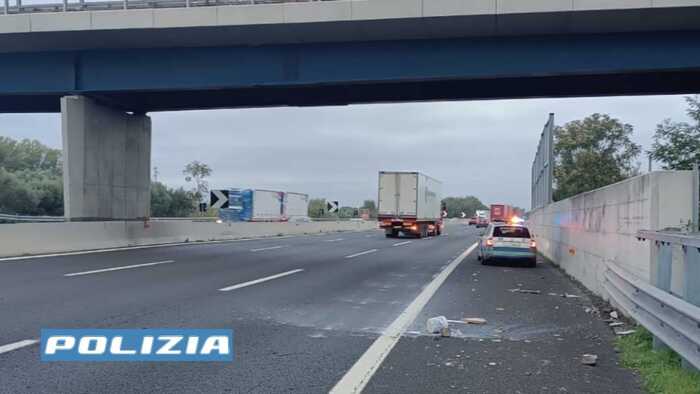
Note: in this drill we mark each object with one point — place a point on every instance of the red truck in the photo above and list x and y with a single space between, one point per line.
501 213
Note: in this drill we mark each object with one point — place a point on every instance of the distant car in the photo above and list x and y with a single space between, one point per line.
481 222
472 220
503 241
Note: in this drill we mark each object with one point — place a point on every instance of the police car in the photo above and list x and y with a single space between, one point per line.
504 241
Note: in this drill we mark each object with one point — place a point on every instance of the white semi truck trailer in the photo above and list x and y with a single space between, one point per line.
410 203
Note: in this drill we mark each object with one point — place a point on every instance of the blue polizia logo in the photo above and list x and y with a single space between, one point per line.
136 345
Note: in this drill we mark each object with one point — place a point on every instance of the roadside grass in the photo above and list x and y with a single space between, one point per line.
661 371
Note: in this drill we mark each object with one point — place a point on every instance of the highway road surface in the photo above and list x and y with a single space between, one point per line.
342 312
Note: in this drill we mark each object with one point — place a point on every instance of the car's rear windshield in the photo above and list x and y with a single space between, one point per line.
511 232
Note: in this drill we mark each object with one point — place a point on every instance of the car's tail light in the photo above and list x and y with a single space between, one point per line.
533 244
489 242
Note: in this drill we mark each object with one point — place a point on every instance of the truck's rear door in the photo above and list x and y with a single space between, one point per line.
388 193
408 183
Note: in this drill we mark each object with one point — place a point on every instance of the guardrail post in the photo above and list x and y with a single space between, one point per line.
663 276
691 288
19 6
65 5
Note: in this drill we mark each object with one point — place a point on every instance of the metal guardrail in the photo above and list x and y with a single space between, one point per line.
82 5
25 218
674 321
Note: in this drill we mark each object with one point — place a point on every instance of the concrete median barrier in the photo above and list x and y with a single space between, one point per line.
41 238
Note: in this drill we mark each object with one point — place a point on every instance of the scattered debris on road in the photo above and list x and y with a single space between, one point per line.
589 359
567 295
614 315
500 309
592 310
474 320
435 325
445 332
616 324
625 332
525 291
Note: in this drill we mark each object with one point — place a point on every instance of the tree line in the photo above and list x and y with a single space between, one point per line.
598 150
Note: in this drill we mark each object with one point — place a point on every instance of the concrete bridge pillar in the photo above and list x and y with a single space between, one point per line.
106 161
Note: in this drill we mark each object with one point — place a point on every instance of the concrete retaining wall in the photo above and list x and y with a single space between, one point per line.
41 238
581 233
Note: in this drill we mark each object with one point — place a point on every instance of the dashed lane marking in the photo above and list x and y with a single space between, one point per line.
261 280
124 267
361 253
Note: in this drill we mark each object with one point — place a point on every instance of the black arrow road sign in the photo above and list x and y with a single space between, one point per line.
219 199
332 206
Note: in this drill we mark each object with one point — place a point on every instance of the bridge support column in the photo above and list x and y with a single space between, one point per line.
106 161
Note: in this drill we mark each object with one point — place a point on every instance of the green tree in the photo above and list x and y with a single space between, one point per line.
456 205
30 178
28 155
317 208
198 173
167 202
592 153
677 144
372 206
347 212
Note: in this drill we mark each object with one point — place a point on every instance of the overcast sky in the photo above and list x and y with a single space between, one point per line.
481 148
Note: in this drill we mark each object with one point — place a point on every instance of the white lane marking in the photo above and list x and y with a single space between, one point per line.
333 240
17 345
38 256
402 243
269 248
362 371
361 253
123 267
261 280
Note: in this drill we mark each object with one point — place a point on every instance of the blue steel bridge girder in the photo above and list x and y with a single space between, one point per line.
158 79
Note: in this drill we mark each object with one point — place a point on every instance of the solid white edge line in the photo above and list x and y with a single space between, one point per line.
357 377
361 253
261 280
17 345
123 267
402 243
268 248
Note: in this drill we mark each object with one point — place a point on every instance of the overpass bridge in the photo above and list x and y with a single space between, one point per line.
105 69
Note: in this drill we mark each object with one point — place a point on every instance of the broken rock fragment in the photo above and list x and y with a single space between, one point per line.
589 359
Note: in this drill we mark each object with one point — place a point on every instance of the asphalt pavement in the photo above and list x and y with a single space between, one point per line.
306 310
